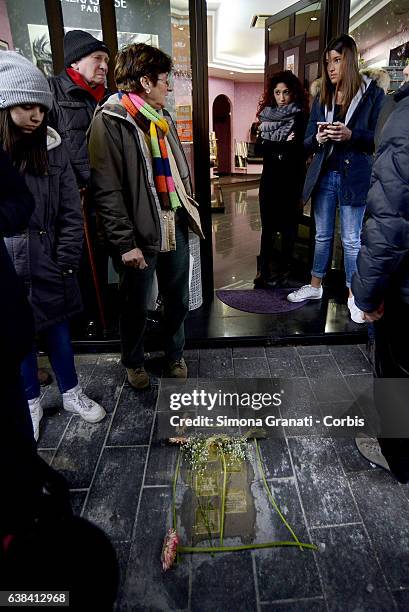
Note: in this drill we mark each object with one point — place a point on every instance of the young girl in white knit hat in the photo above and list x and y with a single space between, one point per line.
46 256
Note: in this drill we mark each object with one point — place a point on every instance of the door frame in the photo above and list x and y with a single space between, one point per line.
334 19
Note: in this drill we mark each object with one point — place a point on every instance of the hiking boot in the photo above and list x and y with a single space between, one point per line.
75 400
36 413
371 451
138 378
177 369
307 292
355 312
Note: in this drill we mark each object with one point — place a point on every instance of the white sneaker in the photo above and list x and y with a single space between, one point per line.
355 312
36 413
306 292
75 400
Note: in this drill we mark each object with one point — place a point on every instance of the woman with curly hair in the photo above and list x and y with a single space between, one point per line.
282 114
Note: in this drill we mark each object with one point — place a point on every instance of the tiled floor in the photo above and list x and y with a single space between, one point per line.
357 514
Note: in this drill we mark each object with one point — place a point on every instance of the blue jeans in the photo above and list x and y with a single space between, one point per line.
58 343
326 200
172 270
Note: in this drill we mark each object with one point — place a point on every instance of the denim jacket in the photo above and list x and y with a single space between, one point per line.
357 154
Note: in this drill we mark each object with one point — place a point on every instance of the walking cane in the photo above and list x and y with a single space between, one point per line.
83 193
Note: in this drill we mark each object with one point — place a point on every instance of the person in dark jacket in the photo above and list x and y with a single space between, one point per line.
46 255
282 114
77 91
142 191
16 318
381 290
340 134
23 474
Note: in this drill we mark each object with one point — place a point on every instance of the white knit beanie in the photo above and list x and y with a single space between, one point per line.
21 82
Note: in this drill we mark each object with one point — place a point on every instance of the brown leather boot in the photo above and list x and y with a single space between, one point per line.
138 378
177 369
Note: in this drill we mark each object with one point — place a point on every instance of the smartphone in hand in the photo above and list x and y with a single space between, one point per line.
323 124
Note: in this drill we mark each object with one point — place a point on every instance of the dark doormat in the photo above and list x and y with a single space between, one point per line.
259 301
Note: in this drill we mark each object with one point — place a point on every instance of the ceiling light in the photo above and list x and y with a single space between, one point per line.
231 72
180 28
314 18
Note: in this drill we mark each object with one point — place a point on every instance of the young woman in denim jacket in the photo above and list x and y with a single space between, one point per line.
340 134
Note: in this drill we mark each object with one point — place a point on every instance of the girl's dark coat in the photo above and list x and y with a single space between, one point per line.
46 255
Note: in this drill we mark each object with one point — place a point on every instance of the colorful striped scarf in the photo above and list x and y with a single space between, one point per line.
157 127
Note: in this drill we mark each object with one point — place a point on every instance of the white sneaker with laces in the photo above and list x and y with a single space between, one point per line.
75 400
306 292
355 312
36 413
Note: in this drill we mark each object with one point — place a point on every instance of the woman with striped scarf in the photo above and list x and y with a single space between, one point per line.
142 192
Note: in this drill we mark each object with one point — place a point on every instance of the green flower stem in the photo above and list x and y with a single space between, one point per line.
175 480
223 498
215 549
205 517
270 497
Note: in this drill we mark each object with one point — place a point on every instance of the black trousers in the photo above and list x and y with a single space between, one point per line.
278 213
172 270
392 396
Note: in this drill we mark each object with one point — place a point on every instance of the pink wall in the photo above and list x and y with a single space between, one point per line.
5 33
244 99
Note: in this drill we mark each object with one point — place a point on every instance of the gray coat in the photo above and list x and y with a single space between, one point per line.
47 254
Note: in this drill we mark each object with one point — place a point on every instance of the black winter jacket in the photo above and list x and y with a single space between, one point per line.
47 255
283 173
71 115
383 261
16 319
357 154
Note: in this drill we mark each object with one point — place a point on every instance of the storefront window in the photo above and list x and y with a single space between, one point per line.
381 31
23 28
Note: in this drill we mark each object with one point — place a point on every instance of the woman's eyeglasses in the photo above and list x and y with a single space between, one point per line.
167 81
